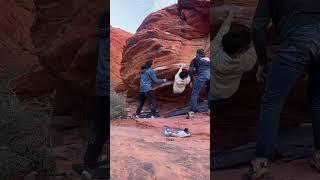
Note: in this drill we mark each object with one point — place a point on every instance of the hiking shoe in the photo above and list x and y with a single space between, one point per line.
181 133
190 115
167 131
259 170
315 161
86 174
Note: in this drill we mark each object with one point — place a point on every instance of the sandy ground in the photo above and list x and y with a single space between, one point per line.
296 170
139 150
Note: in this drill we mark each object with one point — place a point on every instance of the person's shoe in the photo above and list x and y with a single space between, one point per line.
86 174
190 115
181 133
315 161
167 131
259 170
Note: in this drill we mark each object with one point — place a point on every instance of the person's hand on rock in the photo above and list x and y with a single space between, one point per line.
261 74
164 80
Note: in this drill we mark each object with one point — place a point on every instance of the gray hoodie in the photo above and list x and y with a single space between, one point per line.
147 76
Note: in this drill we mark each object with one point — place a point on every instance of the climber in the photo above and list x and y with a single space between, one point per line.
231 59
297 25
181 79
201 64
100 131
147 76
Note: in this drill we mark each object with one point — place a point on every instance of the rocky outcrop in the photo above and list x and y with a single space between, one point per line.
16 18
65 36
118 39
169 36
240 125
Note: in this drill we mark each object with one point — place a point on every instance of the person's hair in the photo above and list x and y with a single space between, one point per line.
104 20
201 52
184 74
232 42
147 64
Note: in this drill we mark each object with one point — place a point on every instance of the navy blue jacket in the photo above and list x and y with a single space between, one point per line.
286 15
201 66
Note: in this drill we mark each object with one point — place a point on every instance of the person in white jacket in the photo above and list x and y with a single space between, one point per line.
230 61
181 80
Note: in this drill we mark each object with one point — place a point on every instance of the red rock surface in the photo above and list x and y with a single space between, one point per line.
16 18
169 40
295 170
118 39
144 153
240 125
64 36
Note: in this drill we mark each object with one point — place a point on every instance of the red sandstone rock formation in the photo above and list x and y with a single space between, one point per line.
169 39
118 39
16 18
64 36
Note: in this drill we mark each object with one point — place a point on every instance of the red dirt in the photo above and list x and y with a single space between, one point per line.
296 170
140 151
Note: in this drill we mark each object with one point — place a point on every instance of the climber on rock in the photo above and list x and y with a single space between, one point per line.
297 25
231 58
201 64
181 80
147 77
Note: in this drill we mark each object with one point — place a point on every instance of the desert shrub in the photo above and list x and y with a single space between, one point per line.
23 138
117 105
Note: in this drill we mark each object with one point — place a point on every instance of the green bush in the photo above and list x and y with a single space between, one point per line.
23 136
117 105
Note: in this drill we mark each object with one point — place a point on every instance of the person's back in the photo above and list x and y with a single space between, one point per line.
231 58
147 77
202 66
181 79
286 14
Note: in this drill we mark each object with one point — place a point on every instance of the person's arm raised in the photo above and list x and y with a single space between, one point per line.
216 44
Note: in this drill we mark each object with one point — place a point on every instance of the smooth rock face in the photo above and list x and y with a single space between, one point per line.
118 39
16 18
64 34
169 40
236 122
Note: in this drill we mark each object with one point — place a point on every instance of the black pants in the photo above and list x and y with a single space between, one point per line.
149 96
100 132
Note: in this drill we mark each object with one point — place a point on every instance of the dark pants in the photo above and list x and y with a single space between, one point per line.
149 96
216 104
300 51
196 89
100 132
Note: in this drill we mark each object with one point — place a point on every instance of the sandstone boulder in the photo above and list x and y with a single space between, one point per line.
118 39
170 36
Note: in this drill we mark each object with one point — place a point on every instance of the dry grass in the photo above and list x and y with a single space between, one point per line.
117 105
23 136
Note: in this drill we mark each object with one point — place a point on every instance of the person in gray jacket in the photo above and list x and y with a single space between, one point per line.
147 77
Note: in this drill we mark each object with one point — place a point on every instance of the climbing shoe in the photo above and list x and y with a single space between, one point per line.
315 161
259 170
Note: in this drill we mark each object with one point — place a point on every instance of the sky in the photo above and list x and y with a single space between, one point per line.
129 14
